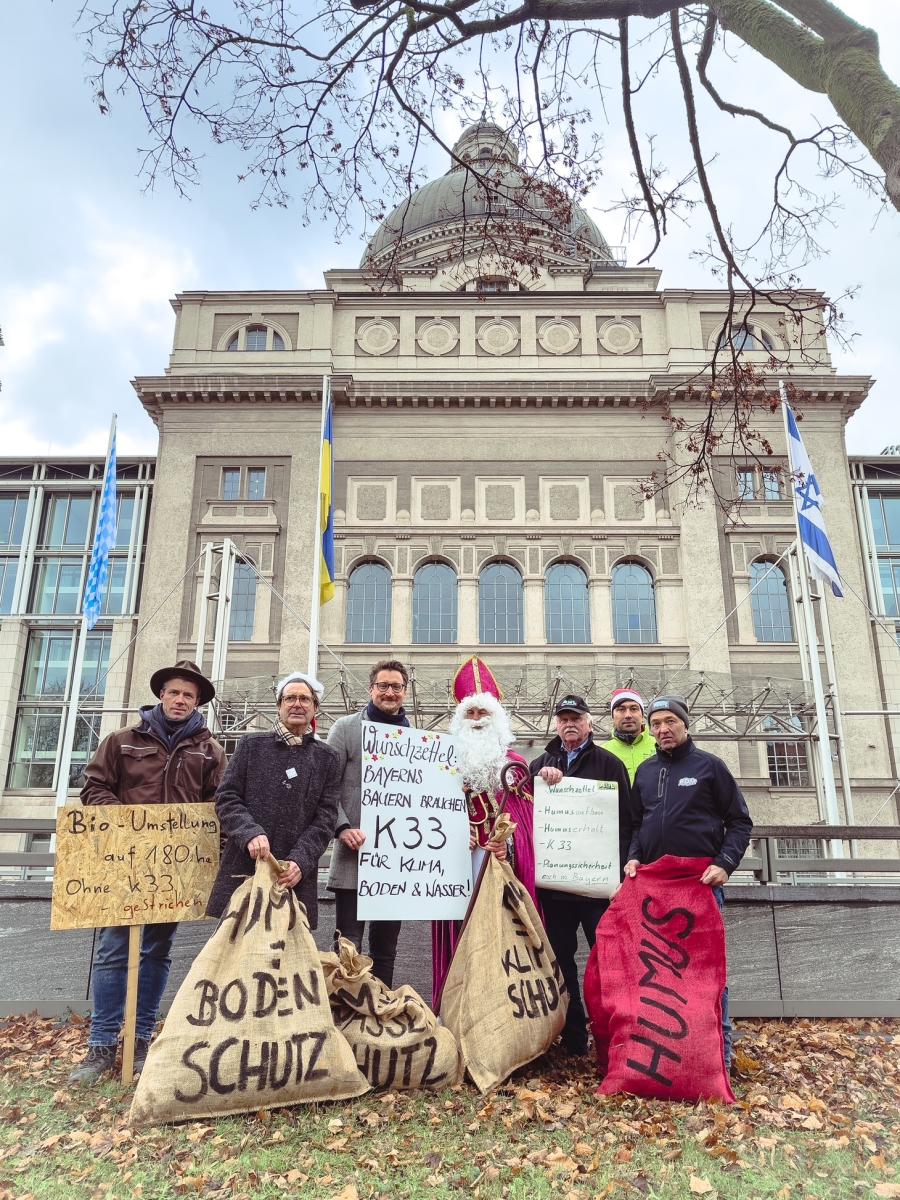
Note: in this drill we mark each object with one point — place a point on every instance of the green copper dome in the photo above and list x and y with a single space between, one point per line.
519 217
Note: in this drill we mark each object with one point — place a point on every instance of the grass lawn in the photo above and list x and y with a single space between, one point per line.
817 1115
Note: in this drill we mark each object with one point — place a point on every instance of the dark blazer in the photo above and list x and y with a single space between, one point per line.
289 793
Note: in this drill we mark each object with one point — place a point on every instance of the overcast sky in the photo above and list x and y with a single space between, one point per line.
90 259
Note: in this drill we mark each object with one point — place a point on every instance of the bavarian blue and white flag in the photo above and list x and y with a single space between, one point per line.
808 502
104 540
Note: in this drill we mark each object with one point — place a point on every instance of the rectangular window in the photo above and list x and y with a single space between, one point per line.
124 520
800 848
66 522
231 483
115 588
885 511
57 586
243 604
12 520
256 483
771 485
8 569
889 571
35 748
755 483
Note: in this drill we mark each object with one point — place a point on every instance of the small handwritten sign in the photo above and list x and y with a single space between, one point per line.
415 864
133 864
576 836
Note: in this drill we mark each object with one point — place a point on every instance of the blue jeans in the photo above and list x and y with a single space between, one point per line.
110 977
727 1027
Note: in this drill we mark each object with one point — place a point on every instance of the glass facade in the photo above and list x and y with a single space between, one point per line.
38 732
243 604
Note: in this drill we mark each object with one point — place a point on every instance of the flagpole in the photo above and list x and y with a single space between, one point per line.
315 607
64 761
823 745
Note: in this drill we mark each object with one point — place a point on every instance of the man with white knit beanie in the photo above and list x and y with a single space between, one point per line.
631 742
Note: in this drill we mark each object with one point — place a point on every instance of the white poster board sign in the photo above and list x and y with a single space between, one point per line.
576 836
415 863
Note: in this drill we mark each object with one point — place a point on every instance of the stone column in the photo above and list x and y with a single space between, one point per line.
535 632
401 611
468 612
601 611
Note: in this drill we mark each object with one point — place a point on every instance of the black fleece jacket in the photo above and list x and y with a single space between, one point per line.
689 805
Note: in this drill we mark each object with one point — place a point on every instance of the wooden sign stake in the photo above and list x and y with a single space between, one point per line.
131 998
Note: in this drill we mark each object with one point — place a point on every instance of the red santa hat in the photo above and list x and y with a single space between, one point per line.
475 678
620 695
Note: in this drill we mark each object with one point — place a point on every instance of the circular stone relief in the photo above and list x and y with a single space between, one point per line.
619 337
558 337
437 337
498 336
377 337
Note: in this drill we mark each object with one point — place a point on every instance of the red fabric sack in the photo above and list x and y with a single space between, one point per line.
653 986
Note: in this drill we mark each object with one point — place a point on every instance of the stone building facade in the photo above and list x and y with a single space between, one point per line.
493 425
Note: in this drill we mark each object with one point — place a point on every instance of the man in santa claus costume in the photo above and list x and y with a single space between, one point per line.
483 737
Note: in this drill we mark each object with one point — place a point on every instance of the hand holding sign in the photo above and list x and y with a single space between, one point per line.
576 836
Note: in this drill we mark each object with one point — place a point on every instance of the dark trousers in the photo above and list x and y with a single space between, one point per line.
383 935
563 915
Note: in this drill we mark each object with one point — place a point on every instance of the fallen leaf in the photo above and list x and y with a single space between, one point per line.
887 1191
701 1186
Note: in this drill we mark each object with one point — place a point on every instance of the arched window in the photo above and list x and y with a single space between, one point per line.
634 604
566 616
500 605
243 604
434 604
369 604
770 603
256 337
747 337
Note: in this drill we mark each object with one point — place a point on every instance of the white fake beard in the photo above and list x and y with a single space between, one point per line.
480 755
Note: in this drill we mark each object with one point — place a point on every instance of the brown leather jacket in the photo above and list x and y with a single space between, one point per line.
132 766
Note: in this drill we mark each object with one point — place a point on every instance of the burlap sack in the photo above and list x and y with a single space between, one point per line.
251 1025
653 986
504 997
394 1035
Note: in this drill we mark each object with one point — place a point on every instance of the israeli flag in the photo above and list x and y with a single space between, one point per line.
104 540
808 501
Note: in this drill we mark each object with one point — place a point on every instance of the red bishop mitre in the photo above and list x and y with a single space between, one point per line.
475 677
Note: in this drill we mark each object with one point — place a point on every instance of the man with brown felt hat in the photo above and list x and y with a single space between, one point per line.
168 757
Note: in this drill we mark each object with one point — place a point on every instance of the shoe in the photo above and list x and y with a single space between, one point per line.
99 1061
141 1046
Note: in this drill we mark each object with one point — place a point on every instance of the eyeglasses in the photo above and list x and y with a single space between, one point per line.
389 687
297 700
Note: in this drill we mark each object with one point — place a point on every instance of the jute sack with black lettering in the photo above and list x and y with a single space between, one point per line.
504 997
653 986
395 1036
251 1026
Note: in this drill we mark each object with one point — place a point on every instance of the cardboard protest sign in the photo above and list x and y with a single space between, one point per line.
251 1026
653 986
133 864
576 836
504 997
413 813
395 1036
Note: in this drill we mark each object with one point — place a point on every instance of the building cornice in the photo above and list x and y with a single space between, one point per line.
305 388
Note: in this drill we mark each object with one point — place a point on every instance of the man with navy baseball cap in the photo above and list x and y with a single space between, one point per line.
574 752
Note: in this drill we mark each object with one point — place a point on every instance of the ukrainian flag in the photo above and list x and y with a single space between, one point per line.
326 511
